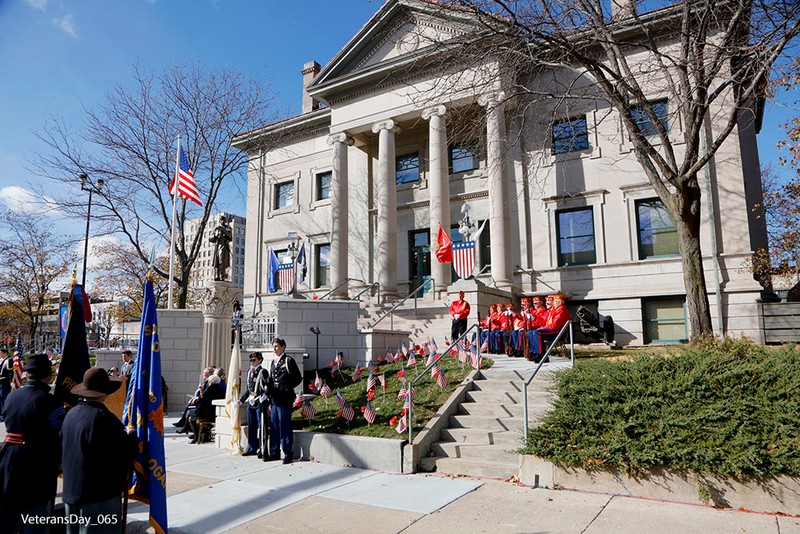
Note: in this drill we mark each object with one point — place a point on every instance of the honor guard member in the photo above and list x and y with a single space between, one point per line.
256 397
556 319
459 311
31 453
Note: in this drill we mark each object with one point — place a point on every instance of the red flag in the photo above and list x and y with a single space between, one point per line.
444 247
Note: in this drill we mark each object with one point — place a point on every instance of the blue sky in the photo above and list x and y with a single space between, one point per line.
58 56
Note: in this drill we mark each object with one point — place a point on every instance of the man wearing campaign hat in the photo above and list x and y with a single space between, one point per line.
556 319
31 453
97 453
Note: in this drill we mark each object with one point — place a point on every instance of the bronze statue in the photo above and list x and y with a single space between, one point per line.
222 237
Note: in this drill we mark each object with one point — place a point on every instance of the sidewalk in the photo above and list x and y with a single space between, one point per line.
210 490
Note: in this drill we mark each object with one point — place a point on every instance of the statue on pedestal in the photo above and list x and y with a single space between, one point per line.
222 238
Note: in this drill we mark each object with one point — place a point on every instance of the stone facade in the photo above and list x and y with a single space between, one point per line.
374 173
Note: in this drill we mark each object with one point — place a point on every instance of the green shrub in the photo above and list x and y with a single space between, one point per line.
728 408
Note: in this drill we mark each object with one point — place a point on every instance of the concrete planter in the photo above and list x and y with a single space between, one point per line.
778 494
357 451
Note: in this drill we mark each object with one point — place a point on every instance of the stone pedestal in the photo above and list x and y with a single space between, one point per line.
479 296
218 298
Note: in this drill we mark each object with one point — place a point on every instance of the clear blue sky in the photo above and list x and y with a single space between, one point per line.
57 56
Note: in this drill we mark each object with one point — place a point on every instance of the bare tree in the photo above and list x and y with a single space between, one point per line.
129 141
33 261
711 58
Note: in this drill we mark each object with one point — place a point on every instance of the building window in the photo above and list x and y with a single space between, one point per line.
642 120
407 168
284 195
322 262
575 230
664 320
570 135
462 158
323 180
657 233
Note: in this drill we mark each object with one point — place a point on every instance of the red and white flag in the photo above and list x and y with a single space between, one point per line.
464 258
382 380
369 413
441 379
317 382
308 410
187 188
347 411
16 381
325 390
371 382
357 372
403 393
402 426
286 277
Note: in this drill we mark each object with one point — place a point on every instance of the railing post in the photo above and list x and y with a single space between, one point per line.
571 345
525 410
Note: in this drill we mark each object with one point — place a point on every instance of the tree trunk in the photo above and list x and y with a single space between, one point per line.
688 225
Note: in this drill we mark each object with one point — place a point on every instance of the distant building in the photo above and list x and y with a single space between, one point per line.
203 270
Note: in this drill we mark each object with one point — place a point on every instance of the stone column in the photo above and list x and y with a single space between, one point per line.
339 214
498 188
217 298
439 189
386 249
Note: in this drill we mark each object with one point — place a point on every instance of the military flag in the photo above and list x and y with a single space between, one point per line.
272 272
75 352
232 392
444 246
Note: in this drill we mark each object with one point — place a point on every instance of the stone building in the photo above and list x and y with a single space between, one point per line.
379 158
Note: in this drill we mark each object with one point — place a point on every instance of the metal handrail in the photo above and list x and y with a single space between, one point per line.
369 287
402 301
429 367
346 281
564 328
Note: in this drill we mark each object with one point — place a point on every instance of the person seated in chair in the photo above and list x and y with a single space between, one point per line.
557 318
191 406
206 411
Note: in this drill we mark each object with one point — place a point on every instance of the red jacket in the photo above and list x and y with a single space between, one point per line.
460 308
558 318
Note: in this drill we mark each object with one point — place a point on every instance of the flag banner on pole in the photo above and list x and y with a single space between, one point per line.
357 372
144 415
232 392
444 247
301 263
75 353
325 390
369 413
187 188
464 258
272 272
16 366
286 277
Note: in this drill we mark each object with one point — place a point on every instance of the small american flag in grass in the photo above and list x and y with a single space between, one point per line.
347 411
298 401
325 390
357 373
402 426
371 382
441 379
308 410
402 393
369 413
382 380
340 399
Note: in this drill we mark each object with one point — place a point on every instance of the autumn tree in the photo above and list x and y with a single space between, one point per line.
707 62
130 142
35 260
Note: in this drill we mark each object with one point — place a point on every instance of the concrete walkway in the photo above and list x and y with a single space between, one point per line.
213 491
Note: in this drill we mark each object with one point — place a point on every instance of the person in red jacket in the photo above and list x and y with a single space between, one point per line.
486 327
459 311
556 319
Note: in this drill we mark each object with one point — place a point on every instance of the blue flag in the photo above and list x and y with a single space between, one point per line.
144 415
301 262
272 272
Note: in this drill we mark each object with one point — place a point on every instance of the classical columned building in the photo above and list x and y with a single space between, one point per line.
386 150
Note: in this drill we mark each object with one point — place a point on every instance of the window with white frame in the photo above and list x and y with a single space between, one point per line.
657 234
284 195
664 320
323 185
407 168
576 241
570 135
322 265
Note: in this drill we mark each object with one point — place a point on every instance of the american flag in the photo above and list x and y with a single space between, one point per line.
347 411
325 390
475 359
431 359
341 400
317 382
187 188
412 359
369 413
403 393
464 258
433 346
441 379
462 354
371 382
402 426
408 402
401 374
382 380
286 277
435 370
16 382
357 372
388 357
338 361
398 356
308 410
413 392
404 348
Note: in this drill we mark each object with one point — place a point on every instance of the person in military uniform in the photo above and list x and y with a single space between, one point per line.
30 456
256 396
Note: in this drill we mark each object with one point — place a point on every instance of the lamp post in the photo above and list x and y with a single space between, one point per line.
91 188
293 249
465 224
315 330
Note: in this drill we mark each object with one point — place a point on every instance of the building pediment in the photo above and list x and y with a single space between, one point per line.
400 33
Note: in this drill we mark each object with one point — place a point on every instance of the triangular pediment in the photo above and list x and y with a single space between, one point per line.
401 29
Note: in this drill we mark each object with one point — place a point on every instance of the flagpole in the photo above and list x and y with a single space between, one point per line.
172 226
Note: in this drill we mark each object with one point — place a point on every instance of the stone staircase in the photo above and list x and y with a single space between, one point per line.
482 437
431 318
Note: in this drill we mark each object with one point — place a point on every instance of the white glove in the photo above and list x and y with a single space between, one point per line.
457 317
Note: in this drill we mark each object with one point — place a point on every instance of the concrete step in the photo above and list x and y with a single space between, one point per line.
485 422
472 467
492 397
507 439
503 410
486 452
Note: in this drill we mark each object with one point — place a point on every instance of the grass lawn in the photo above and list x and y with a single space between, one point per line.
728 408
429 398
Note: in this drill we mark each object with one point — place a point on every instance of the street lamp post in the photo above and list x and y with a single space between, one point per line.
465 224
91 188
293 249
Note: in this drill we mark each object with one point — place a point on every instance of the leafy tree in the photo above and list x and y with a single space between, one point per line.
34 260
129 142
712 58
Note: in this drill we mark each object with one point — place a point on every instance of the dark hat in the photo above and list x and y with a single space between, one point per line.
96 383
38 362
